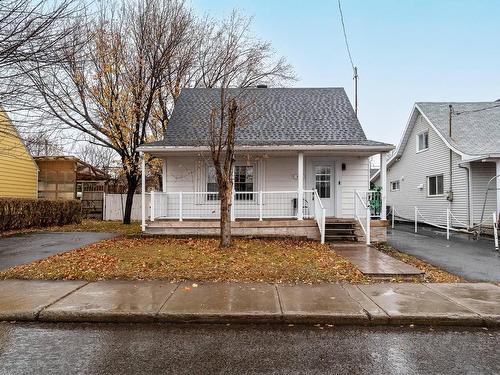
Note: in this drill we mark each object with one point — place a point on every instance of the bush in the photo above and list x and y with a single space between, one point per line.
27 213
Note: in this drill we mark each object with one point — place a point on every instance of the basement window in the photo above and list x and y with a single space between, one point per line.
395 185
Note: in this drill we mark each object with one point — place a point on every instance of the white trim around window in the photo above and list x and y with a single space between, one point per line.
422 141
435 186
395 185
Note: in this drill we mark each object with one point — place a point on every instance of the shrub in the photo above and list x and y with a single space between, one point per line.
27 213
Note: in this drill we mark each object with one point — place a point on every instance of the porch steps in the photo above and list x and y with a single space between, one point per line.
340 230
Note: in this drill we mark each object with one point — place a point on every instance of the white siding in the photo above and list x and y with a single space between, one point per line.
355 177
412 170
277 173
481 174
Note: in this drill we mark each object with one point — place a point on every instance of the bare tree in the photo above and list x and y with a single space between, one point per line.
28 30
107 83
234 61
41 144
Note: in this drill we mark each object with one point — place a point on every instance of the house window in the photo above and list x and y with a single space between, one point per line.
435 186
395 185
243 182
323 177
423 141
212 185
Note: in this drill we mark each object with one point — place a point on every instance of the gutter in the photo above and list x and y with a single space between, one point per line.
375 149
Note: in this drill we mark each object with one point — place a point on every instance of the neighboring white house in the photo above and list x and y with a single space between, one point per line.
300 145
448 154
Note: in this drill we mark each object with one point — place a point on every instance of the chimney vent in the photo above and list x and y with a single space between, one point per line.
261 86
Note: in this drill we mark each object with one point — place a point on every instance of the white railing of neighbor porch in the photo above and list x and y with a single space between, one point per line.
362 213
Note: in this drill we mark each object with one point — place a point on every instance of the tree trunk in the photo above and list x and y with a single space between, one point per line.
132 186
225 216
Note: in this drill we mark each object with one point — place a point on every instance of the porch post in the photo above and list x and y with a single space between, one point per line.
164 175
383 182
498 188
300 186
143 191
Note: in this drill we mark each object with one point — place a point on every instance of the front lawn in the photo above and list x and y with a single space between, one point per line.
198 259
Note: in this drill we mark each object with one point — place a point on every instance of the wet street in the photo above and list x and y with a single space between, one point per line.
214 349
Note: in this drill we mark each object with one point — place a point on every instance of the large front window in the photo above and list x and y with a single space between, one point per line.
212 185
243 182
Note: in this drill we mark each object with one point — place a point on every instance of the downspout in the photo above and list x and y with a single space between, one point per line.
469 199
450 192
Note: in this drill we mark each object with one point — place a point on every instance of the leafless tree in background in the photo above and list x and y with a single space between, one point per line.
111 90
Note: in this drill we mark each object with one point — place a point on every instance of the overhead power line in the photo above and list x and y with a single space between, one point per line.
354 68
476 110
345 36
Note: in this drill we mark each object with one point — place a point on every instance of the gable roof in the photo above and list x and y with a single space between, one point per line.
277 116
475 128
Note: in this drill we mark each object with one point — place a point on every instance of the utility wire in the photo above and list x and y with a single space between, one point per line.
345 36
476 110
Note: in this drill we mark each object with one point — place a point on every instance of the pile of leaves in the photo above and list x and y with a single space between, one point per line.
198 259
433 274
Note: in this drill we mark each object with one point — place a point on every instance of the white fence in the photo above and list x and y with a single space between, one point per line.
114 206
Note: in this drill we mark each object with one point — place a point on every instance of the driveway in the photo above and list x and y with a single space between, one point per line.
30 247
474 260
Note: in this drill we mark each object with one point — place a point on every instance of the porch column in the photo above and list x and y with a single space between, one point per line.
164 175
143 191
300 185
498 188
383 183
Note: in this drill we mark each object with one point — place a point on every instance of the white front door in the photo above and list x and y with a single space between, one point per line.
323 182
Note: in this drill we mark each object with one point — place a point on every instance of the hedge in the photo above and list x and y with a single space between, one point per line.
27 213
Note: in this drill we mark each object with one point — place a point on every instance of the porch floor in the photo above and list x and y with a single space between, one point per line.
374 263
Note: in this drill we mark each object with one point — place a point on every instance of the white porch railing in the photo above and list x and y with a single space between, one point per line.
362 213
246 205
320 215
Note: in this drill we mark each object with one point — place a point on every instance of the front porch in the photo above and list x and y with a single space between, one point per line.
331 188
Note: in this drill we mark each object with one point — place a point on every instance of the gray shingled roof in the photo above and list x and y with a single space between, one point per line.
475 126
277 116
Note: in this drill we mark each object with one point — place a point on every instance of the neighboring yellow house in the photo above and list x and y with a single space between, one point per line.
18 170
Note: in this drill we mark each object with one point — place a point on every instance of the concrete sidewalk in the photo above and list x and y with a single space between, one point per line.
158 301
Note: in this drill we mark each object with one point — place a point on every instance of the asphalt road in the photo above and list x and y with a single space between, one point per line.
27 248
474 260
221 349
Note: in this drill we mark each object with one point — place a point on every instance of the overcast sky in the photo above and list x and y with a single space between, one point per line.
406 50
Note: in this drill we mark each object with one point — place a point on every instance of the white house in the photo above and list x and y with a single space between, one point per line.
448 158
301 145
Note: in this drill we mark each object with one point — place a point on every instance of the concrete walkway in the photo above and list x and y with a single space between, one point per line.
374 263
471 259
157 301
27 248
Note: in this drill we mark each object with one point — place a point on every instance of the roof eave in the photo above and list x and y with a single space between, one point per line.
371 148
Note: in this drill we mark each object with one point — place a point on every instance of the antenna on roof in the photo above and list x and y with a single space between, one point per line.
354 68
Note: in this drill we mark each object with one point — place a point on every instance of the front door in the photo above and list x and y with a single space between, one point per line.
323 182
